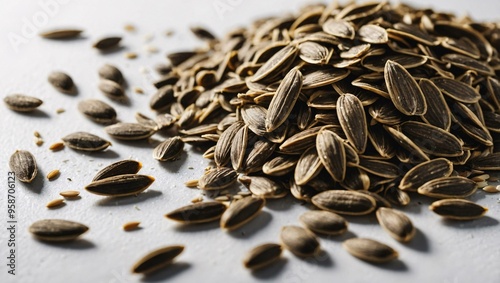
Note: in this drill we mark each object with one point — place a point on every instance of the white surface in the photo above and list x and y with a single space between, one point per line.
441 251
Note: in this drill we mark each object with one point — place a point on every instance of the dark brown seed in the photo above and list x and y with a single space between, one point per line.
324 222
56 230
352 119
344 202
62 82
299 241
110 72
262 256
222 154
85 142
276 62
118 168
458 209
22 103
448 187
331 152
396 223
488 162
202 33
23 164
170 149
438 112
263 187
370 250
308 166
217 179
112 90
107 43
97 111
240 212
200 212
162 98
61 33
424 172
121 185
157 259
129 131
457 90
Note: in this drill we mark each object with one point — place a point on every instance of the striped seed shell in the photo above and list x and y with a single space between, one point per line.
332 154
240 212
255 117
107 43
85 142
396 223
438 113
238 147
275 64
97 111
406 143
169 149
162 98
200 212
129 131
458 209
157 259
344 202
222 154
23 164
217 179
284 99
61 33
112 90
122 167
352 119
22 103
62 82
339 28
468 63
373 34
301 141
308 166
369 250
110 72
280 165
324 222
257 154
379 167
404 91
121 185
314 53
263 187
262 256
424 172
448 187
56 230
299 241
488 162
457 90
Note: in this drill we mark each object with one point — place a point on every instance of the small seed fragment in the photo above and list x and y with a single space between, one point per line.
121 185
56 146
262 256
56 230
122 167
157 259
324 222
240 212
70 194
53 174
23 164
130 226
201 212
370 250
299 241
458 209
55 203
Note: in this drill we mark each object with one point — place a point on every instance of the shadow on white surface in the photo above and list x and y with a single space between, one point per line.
419 242
251 228
484 221
200 227
79 244
129 200
272 271
168 273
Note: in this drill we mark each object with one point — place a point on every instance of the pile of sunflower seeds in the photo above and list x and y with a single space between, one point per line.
350 108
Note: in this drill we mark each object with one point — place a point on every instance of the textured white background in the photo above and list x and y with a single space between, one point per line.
441 252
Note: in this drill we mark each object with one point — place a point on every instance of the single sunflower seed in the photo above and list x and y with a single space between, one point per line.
344 202
85 142
324 222
241 212
57 230
370 250
23 164
122 167
458 209
200 212
262 255
170 149
22 103
157 259
396 223
121 185
299 241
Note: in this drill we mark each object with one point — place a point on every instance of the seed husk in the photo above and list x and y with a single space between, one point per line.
279 60
457 90
201 212
396 223
62 82
23 164
162 98
157 259
263 187
458 209
280 165
112 90
308 166
85 142
352 119
122 167
262 256
61 33
70 194
217 179
110 72
169 149
97 111
22 103
222 153
241 212
373 34
55 203
129 131
324 222
53 174
438 113
57 230
344 202
121 185
332 154
448 187
424 172
130 226
488 162
370 250
299 241
107 43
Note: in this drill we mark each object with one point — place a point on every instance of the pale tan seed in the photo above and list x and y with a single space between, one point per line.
55 203
130 55
157 259
197 199
53 174
299 241
39 141
262 256
192 183
37 134
222 198
24 166
56 146
370 250
70 194
396 223
490 189
56 230
130 226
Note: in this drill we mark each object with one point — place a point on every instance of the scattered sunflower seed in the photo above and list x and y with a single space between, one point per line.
56 230
23 164
22 103
157 259
370 250
121 185
262 255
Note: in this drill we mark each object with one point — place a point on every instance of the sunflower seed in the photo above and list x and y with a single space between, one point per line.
55 203
373 34
308 166
279 60
112 90
369 250
70 194
467 63
299 241
85 142
56 230
240 141
457 90
222 152
97 111
170 149
280 165
22 103
23 164
240 212
157 259
396 223
314 53
107 43
162 98
62 82
262 256
458 209
438 112
424 172
488 162
122 167
217 179
129 131
130 226
339 28
331 152
344 202
353 121
61 33
263 186
448 187
324 222
121 185
200 212
110 72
